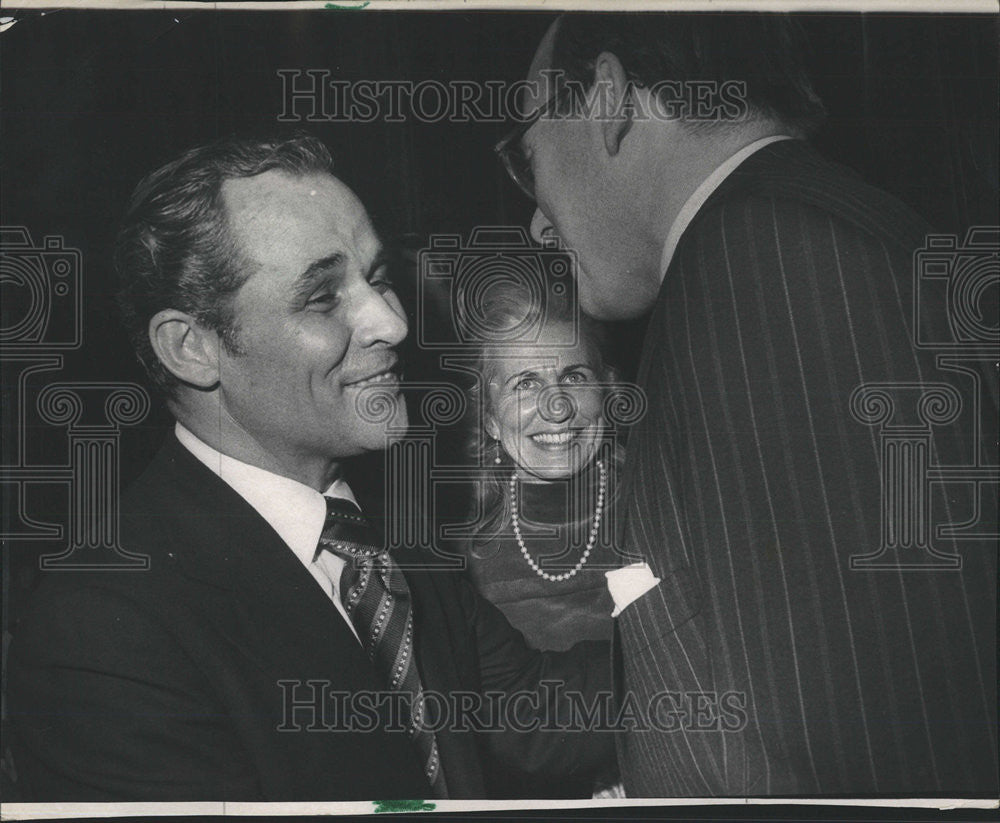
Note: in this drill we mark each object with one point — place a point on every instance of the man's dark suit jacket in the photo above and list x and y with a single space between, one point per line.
165 684
749 485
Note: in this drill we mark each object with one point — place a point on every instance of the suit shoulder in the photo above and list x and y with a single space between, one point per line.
796 181
177 503
153 520
98 617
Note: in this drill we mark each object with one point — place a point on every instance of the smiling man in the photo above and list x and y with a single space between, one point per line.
313 322
274 650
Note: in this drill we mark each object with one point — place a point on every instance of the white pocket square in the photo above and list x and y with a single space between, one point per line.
629 583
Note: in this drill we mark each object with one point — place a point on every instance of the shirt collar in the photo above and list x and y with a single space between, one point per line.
704 191
295 511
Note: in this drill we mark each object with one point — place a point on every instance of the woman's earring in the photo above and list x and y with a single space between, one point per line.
496 453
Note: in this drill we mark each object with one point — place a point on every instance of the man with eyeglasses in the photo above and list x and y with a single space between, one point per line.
776 283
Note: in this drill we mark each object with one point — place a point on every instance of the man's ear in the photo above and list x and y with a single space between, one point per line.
614 103
187 349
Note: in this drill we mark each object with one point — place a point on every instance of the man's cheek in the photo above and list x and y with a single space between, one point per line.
323 341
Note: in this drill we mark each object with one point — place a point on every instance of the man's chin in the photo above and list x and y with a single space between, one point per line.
611 295
397 427
394 428
615 307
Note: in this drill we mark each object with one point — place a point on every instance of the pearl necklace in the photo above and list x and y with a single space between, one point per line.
598 512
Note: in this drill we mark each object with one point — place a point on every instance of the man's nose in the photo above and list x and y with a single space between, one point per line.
378 319
540 226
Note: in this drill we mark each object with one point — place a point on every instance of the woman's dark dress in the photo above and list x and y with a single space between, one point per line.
552 615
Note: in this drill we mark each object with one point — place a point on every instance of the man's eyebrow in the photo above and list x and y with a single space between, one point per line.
315 271
381 258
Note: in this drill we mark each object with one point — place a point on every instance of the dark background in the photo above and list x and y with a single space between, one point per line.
92 101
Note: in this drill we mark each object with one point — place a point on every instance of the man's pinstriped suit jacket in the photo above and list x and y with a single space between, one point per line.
749 486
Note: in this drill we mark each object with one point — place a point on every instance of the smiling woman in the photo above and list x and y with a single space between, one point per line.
544 534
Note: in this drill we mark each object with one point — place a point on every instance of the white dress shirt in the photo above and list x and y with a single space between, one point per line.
704 191
295 511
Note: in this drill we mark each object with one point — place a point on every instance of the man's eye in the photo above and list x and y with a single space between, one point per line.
526 384
323 300
575 378
382 284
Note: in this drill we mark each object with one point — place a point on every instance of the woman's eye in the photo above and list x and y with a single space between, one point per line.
527 384
575 378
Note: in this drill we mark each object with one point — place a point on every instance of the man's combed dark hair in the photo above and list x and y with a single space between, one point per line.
763 50
174 249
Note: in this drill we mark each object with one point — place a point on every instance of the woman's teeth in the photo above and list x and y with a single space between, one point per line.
553 439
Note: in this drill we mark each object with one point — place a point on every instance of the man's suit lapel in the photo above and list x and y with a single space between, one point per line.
298 626
291 624
273 611
291 628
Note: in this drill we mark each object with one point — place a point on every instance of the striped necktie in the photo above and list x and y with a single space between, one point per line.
376 597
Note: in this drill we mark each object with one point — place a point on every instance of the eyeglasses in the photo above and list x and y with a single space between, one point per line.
510 149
